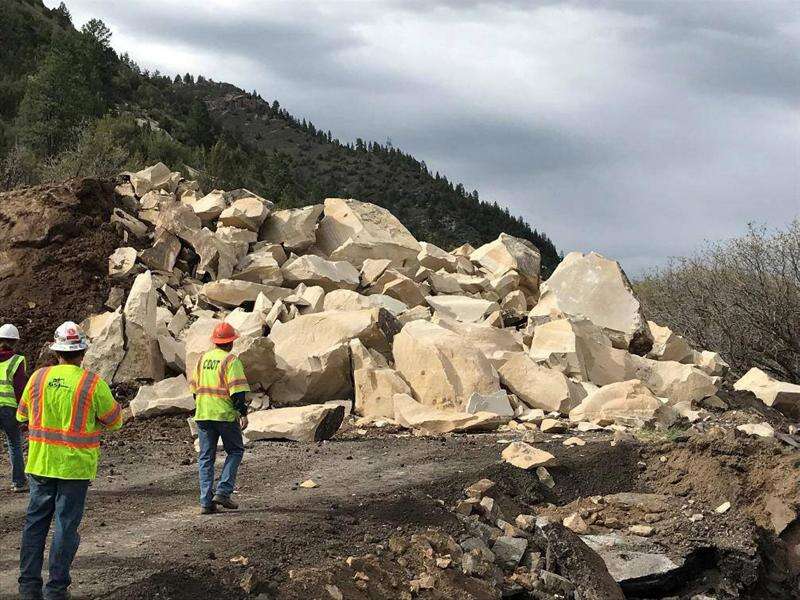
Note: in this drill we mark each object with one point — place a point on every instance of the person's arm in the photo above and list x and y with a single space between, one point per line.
239 403
20 380
24 405
108 411
237 389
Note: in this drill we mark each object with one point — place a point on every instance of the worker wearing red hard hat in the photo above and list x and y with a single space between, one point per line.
13 378
219 386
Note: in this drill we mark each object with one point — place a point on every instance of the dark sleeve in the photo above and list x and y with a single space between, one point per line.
239 402
20 379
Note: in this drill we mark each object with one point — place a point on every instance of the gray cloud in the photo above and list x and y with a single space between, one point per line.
638 129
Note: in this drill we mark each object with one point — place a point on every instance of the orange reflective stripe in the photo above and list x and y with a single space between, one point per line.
209 391
223 370
81 399
64 438
37 395
111 416
22 408
234 382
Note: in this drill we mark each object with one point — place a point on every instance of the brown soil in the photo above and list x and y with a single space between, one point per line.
143 539
54 246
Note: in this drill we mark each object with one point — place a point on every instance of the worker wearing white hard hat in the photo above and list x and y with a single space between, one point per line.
66 407
13 378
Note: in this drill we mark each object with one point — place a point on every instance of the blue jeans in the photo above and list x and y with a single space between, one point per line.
9 425
209 433
65 500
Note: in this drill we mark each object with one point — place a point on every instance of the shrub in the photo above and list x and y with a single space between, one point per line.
741 297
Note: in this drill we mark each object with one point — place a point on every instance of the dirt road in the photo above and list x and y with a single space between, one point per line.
141 520
143 538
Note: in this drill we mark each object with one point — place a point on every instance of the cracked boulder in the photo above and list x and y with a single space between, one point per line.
355 231
780 395
316 271
596 288
295 228
442 368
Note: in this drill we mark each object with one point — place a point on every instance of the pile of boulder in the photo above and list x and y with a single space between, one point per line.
339 302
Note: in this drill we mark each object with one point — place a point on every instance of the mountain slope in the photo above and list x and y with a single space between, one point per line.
69 106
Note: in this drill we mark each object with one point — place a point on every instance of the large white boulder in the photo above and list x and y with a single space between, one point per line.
400 287
509 253
107 347
294 228
355 231
540 387
668 345
311 335
259 267
313 423
143 358
316 271
350 300
210 206
594 287
434 258
375 390
121 262
314 378
493 342
442 368
625 402
257 354
230 292
435 421
559 344
156 177
780 395
168 396
462 308
247 213
710 363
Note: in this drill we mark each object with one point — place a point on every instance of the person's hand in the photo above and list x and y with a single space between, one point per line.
243 422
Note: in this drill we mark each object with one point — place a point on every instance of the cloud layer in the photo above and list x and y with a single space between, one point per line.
637 129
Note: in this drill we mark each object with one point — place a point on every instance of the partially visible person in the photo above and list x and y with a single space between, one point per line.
219 386
66 408
13 377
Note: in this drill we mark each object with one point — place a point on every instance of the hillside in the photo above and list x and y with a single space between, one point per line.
70 106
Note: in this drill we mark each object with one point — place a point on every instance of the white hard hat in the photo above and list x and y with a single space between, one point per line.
9 332
69 338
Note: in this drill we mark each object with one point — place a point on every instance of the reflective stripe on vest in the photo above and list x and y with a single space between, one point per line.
75 435
8 369
37 396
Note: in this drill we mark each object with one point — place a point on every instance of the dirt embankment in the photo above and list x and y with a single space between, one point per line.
55 241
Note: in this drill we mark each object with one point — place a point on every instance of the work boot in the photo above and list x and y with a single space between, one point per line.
225 501
208 510
19 489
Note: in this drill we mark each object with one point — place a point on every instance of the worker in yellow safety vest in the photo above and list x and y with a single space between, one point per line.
219 386
66 408
12 383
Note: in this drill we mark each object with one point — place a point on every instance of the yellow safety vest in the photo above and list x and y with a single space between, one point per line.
218 376
67 407
8 369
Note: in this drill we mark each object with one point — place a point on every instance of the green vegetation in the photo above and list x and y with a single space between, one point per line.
70 106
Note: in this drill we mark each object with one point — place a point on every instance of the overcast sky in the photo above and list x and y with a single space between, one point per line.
637 129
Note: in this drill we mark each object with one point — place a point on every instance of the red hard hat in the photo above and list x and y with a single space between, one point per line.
224 334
